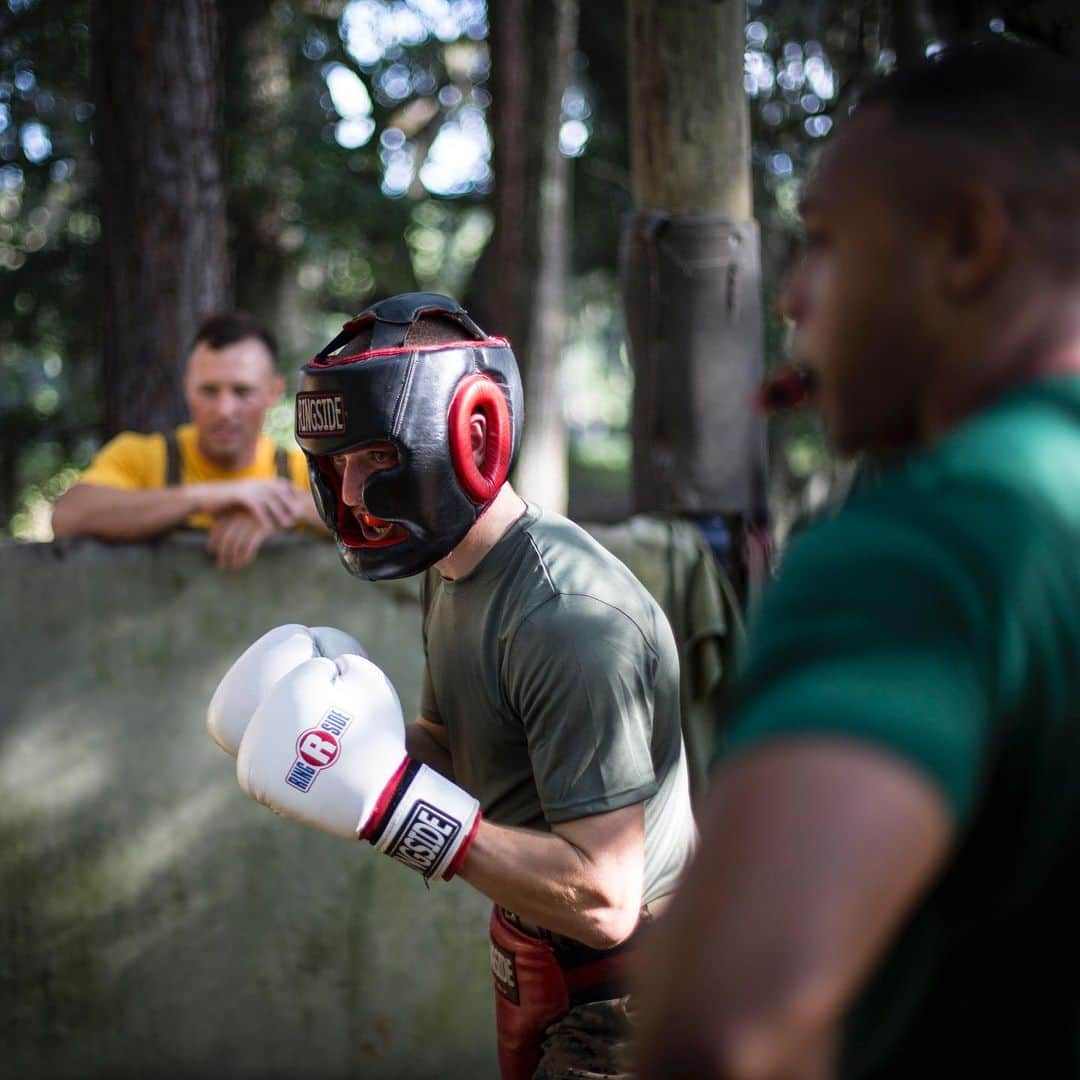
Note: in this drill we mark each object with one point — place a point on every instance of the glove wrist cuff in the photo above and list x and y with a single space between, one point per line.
426 822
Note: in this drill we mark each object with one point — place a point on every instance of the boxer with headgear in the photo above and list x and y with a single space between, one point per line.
546 767
368 386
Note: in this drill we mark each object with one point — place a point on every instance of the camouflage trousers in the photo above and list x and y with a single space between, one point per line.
590 1042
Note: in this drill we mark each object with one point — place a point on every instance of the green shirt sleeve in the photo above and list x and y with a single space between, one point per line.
580 675
872 633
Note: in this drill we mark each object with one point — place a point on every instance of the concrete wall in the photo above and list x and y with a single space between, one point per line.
153 920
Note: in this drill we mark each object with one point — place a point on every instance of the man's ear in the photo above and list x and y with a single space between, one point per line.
189 391
977 227
277 387
478 438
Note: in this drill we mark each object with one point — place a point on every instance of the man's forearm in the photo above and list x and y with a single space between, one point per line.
583 880
553 882
117 514
427 749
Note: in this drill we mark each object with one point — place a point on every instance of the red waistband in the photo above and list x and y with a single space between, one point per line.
610 972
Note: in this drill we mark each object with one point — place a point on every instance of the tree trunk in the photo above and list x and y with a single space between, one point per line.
158 140
690 126
542 471
259 85
531 243
503 308
908 30
691 267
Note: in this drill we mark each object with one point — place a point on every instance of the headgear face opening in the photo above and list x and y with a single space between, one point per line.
369 386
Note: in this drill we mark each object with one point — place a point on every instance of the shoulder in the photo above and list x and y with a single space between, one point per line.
129 459
998 493
583 623
586 586
576 564
941 591
135 441
889 557
1025 449
876 628
910 568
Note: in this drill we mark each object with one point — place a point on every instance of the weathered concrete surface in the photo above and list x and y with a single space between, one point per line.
153 920
156 922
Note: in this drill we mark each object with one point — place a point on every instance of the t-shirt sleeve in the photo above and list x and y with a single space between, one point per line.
129 461
872 632
581 676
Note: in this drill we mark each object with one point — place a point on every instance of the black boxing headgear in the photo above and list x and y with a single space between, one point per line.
370 386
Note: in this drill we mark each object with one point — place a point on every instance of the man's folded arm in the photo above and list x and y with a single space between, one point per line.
110 513
113 513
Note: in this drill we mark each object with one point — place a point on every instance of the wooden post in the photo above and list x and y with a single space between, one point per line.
691 269
690 125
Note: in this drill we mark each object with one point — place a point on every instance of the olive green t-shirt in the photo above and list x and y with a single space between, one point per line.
937 617
557 677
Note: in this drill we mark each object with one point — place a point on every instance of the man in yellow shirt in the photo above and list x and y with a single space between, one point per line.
219 472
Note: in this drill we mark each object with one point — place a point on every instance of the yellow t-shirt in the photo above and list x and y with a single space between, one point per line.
135 462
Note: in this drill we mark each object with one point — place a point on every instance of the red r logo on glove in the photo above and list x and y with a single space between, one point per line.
318 748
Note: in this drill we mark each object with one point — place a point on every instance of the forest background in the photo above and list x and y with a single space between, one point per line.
360 156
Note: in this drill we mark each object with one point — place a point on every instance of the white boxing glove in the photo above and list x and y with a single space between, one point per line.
251 677
327 747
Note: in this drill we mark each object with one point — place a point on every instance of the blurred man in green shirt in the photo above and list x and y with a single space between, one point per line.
887 884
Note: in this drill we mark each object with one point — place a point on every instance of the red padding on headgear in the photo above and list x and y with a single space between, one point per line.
478 393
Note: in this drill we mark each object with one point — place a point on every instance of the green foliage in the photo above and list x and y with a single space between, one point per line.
358 165
320 222
333 119
48 232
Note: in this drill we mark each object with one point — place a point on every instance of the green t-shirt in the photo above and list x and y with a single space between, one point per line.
557 677
937 617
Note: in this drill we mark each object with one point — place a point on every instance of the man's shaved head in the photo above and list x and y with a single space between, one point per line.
942 256
1006 114
1000 92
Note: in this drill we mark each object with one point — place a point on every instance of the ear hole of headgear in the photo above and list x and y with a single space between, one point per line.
479 394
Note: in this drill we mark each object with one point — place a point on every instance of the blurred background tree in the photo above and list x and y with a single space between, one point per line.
358 144
520 286
157 136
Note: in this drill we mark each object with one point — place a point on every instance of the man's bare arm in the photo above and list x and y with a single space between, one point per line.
583 879
813 854
427 742
118 514
111 513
